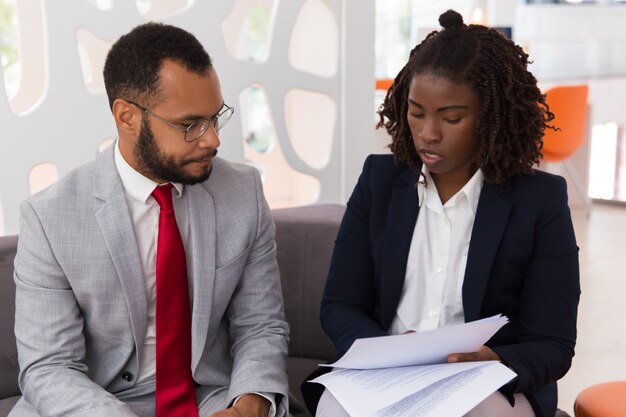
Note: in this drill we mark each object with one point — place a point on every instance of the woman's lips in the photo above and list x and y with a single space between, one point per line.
429 157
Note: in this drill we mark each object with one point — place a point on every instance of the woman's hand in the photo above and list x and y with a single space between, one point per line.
482 354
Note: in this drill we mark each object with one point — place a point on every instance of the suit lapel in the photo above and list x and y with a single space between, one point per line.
492 216
119 235
403 209
202 274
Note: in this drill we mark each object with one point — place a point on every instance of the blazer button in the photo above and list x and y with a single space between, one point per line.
127 376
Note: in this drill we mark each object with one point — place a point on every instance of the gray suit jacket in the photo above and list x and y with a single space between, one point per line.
81 308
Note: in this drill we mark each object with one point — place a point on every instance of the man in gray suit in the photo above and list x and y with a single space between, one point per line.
87 274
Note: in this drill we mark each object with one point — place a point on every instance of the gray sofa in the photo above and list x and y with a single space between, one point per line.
9 391
304 241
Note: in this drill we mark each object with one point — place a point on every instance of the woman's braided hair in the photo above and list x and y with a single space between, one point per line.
513 113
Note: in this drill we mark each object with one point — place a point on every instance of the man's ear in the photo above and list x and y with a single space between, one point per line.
127 117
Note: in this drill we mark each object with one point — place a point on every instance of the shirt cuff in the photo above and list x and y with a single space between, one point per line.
268 397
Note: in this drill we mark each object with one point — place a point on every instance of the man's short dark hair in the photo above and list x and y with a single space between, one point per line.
131 69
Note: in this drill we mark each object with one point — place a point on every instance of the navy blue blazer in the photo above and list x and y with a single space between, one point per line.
522 262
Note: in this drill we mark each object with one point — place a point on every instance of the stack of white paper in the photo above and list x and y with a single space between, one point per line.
407 375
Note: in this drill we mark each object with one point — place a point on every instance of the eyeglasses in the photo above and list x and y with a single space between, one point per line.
199 127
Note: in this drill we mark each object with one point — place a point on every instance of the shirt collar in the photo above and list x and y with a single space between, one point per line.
137 185
471 190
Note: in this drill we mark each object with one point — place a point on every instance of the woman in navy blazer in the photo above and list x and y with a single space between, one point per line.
465 102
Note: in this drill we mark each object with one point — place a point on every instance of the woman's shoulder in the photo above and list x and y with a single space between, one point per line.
384 166
538 181
536 191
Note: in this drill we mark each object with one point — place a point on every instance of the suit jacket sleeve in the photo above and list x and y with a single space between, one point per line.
548 301
350 291
258 329
49 332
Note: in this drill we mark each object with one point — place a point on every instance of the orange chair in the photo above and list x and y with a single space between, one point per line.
602 400
569 105
383 83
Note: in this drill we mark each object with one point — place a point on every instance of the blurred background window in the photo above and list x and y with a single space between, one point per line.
9 47
569 42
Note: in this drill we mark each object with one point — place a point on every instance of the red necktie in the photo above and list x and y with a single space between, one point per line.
175 388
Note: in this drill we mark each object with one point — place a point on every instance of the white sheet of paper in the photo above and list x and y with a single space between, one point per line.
423 348
452 396
449 389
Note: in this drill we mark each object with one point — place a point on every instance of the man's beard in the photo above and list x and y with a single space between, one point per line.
154 164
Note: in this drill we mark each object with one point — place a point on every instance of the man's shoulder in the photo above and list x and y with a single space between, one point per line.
74 193
74 184
225 169
227 176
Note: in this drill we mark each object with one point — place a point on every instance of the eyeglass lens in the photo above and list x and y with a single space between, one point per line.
198 128
223 117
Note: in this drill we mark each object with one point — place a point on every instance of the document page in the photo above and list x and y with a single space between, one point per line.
408 375
452 396
449 389
422 348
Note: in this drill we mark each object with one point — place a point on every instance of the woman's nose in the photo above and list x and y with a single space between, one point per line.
430 131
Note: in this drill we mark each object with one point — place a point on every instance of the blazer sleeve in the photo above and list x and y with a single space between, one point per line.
350 291
258 329
49 332
548 303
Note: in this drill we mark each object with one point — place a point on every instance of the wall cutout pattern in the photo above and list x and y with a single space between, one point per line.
64 119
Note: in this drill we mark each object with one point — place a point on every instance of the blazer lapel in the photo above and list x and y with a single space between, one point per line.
492 216
403 210
119 235
201 215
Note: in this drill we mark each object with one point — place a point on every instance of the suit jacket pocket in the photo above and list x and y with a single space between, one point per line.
227 277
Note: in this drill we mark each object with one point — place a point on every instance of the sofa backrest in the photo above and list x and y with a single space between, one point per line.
8 352
305 237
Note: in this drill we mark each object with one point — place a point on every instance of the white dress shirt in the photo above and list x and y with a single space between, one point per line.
432 293
144 213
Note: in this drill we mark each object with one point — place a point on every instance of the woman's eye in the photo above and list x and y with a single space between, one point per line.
453 121
417 116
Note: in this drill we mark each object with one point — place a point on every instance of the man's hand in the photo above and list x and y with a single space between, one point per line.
483 354
249 405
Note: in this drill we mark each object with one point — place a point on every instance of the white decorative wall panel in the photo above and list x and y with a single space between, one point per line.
320 118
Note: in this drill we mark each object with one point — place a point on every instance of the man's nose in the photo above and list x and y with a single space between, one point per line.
210 138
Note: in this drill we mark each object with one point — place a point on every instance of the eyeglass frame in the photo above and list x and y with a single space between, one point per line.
212 120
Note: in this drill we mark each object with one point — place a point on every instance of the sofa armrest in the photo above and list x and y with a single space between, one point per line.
9 367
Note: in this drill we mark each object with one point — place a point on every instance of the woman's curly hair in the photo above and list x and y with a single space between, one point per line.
513 113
